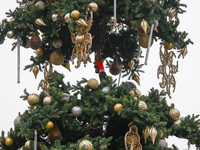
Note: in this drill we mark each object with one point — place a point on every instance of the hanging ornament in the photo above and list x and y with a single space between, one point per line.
35 41
184 51
67 66
161 134
168 46
35 71
142 105
136 78
57 43
49 125
47 100
40 22
86 144
144 39
132 139
163 143
11 20
56 58
144 25
172 14
153 133
81 22
54 17
93 6
115 68
174 113
131 64
135 93
118 107
67 18
76 111
156 23
28 2
39 52
65 97
41 5
93 83
167 70
17 121
106 89
54 134
29 144
9 34
8 141
33 99
146 134
112 21
79 39
75 14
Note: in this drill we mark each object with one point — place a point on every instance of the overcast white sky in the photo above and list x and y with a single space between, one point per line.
186 96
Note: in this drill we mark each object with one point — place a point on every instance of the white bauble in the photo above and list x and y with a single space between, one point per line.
65 97
17 120
47 100
106 89
76 111
41 5
163 143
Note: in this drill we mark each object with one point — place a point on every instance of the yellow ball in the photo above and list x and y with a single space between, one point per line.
49 125
33 99
93 83
56 58
168 46
9 141
40 52
118 107
174 113
75 14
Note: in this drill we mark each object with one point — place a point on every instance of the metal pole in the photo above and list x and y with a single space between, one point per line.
115 10
35 140
149 44
18 60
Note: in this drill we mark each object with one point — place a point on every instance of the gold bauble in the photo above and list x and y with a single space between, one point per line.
40 52
115 68
40 22
131 63
136 78
135 93
35 71
67 66
144 25
35 42
112 21
33 99
174 113
168 46
56 58
93 83
75 14
93 6
79 39
86 144
47 100
81 22
49 125
142 105
153 133
118 107
9 141
144 39
29 144
146 133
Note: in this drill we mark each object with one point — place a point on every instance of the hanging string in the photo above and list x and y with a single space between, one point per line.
149 43
18 60
35 140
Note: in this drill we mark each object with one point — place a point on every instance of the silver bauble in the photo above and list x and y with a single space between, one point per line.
106 89
65 97
163 143
79 39
142 105
17 120
41 5
76 111
67 17
86 144
54 17
47 100
10 34
57 43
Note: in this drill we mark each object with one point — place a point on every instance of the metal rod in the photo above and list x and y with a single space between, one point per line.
119 77
35 140
18 60
149 44
115 10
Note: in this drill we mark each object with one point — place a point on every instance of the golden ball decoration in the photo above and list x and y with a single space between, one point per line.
33 99
56 58
9 141
135 93
86 144
118 107
174 113
142 105
144 39
47 100
49 125
93 6
75 14
169 46
40 52
93 83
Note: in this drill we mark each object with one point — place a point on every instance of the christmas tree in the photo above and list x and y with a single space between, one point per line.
96 114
